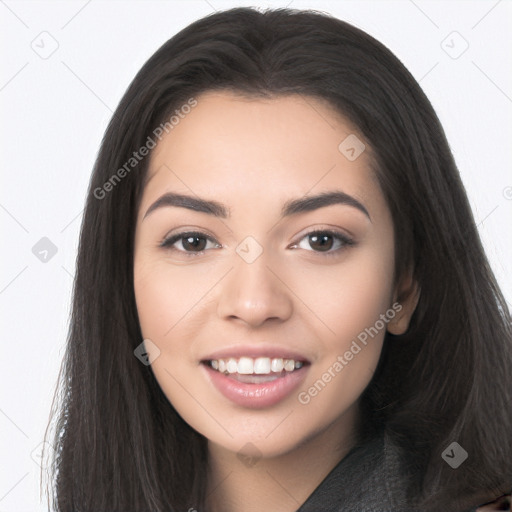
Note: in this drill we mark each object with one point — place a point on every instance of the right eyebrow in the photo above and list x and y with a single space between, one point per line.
192 203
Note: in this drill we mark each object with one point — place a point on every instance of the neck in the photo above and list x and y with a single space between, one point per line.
281 483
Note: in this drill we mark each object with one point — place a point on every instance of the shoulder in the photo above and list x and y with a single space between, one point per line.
502 503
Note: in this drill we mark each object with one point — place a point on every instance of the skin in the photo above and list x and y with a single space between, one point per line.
253 155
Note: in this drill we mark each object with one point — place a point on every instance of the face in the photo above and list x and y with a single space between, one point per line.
265 305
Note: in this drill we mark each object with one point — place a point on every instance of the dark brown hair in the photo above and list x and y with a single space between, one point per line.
120 445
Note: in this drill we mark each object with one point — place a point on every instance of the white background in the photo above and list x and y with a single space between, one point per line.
54 112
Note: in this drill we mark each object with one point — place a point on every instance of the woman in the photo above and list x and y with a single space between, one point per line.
277 231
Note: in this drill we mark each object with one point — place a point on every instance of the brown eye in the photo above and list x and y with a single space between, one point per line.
194 243
328 242
190 242
321 242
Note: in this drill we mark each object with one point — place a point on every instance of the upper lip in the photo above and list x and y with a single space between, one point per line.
272 351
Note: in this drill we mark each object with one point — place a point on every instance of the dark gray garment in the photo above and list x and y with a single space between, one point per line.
368 479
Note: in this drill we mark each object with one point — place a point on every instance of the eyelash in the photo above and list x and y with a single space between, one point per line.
345 241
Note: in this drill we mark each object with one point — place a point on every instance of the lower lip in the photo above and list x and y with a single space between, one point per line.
256 396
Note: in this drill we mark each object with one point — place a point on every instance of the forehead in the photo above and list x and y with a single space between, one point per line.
229 145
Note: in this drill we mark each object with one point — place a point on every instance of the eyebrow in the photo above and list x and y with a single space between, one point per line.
291 207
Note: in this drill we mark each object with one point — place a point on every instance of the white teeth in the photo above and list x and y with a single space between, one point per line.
277 365
289 365
232 366
245 365
262 365
258 366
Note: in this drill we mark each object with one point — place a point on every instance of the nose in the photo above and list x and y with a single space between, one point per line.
254 293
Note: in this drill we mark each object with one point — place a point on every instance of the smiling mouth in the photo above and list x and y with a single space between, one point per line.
255 370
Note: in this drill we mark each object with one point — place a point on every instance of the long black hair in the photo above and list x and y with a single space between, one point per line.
119 443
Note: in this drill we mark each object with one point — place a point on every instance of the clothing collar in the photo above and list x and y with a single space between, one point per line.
370 478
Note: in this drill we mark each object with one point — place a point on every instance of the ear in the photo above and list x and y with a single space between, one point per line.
407 295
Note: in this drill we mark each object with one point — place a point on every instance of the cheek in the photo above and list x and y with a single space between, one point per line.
359 300
165 294
348 297
154 302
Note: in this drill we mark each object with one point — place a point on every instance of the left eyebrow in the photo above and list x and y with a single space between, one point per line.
307 204
291 207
